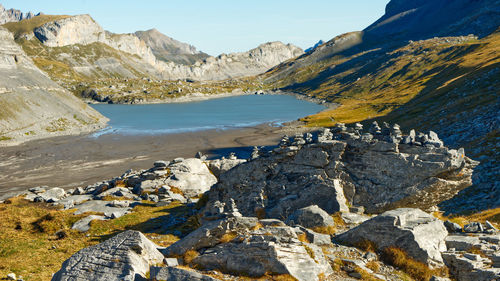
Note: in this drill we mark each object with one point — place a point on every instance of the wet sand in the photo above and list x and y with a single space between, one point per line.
74 161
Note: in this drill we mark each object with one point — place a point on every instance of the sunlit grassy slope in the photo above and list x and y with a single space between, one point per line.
36 238
27 26
374 83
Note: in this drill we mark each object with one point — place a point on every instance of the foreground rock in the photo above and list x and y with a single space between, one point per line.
381 169
473 256
419 234
237 245
310 217
123 257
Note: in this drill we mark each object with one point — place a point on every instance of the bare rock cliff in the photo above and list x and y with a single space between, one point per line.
82 29
12 15
233 65
33 106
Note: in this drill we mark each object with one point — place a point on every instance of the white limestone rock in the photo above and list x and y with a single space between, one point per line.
421 235
123 257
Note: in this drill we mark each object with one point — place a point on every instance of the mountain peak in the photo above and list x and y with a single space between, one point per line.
12 15
168 49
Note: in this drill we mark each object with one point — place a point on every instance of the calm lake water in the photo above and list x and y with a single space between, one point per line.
219 113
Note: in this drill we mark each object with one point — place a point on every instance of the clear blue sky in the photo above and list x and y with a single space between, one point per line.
222 26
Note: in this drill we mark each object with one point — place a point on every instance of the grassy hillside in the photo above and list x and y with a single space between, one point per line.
27 26
374 83
448 85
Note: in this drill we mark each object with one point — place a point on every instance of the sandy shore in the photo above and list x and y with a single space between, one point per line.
73 161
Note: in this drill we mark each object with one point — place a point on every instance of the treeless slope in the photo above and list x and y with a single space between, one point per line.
31 105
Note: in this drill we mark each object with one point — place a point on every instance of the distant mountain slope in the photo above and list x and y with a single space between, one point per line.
234 65
170 50
31 105
397 70
12 15
424 19
74 49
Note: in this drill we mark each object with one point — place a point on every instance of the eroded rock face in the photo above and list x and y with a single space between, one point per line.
12 15
55 112
120 258
81 29
380 170
419 234
255 61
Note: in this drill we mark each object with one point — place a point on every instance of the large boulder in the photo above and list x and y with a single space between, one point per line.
244 246
379 171
419 234
271 250
192 176
312 216
123 257
210 233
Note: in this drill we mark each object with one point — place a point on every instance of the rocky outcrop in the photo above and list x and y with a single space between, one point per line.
12 15
310 217
81 29
170 50
31 105
177 274
131 44
419 234
233 65
380 169
253 251
473 256
123 257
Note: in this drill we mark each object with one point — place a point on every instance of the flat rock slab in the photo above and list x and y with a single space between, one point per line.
352 218
103 207
176 274
123 257
83 225
74 199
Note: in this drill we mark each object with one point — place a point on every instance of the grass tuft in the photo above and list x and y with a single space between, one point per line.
417 270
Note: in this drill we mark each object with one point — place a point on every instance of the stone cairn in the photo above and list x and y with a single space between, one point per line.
386 133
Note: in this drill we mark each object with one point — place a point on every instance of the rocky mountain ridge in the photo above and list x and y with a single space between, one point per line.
33 106
396 70
83 30
170 50
12 15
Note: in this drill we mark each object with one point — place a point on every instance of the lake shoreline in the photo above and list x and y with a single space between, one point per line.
72 161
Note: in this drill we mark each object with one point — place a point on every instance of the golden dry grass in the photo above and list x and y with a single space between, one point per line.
390 80
417 270
366 245
36 238
303 238
373 265
365 275
491 215
189 256
228 237
177 190
330 230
